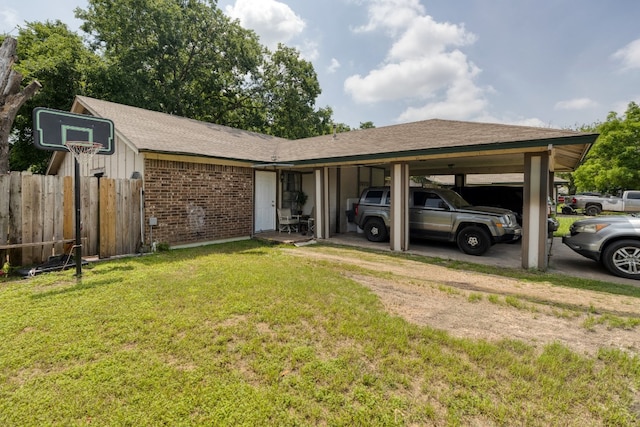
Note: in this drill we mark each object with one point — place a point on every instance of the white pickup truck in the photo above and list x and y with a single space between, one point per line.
593 205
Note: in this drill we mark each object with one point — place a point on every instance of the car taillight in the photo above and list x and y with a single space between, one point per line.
573 200
355 208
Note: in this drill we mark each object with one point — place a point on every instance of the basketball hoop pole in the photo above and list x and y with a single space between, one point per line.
82 151
78 254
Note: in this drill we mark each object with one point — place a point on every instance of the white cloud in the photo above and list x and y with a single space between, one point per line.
576 104
272 20
391 15
424 67
309 50
333 67
462 101
425 37
9 19
629 55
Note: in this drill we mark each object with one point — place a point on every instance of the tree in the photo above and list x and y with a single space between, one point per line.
186 57
12 96
182 57
290 90
56 57
613 164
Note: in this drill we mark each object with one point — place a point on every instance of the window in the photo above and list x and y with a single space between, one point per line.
373 197
425 199
433 201
419 198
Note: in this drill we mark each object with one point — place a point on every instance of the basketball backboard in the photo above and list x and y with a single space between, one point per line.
52 129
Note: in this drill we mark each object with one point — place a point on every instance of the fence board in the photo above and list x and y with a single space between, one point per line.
48 216
91 216
5 184
15 216
56 201
31 190
69 220
107 218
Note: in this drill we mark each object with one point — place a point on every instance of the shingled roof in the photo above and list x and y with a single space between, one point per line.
163 133
424 137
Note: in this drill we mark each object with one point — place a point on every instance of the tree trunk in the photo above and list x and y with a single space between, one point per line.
11 97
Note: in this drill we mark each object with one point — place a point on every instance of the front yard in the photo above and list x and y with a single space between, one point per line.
252 334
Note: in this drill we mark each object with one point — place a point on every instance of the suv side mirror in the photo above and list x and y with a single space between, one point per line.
443 205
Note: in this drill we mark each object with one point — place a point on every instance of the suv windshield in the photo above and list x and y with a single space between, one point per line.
456 200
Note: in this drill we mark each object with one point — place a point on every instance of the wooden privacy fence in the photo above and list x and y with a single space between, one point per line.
37 216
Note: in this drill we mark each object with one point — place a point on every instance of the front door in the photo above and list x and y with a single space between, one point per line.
265 201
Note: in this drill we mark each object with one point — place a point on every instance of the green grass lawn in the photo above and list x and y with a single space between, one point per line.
245 334
565 222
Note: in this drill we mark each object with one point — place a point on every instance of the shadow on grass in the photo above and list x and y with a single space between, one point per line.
79 286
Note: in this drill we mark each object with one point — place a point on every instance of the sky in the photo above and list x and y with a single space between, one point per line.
548 63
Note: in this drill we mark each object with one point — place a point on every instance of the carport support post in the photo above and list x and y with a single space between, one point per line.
399 236
321 176
535 251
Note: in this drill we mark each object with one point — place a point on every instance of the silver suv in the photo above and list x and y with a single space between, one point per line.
612 240
439 214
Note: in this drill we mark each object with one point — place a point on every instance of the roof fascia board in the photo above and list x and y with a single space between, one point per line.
195 158
434 153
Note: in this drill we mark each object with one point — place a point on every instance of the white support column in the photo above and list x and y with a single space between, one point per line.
399 236
319 203
322 212
535 251
326 207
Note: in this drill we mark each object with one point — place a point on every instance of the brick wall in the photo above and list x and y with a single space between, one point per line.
196 202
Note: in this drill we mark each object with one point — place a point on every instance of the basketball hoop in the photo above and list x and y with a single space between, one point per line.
83 151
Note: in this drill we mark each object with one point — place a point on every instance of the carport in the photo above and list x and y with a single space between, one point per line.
340 163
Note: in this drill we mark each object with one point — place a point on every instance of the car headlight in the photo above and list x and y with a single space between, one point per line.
588 228
504 221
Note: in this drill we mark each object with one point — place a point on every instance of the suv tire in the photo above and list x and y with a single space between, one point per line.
622 258
375 230
473 240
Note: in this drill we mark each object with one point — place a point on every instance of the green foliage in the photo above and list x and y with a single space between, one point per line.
55 56
179 57
187 58
6 268
613 164
290 88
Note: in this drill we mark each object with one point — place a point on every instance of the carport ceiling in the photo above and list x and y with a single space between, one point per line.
436 147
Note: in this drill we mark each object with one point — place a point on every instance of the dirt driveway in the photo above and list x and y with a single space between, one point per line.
483 306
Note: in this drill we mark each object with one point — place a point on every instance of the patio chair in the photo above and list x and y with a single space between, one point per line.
307 224
286 221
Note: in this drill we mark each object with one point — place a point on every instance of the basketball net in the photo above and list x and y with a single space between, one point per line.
83 151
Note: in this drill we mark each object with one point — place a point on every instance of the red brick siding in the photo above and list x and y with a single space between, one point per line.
196 202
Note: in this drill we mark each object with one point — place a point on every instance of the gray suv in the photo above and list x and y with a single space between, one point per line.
612 240
439 214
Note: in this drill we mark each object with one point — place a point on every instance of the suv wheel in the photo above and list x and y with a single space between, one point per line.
375 230
623 258
473 240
